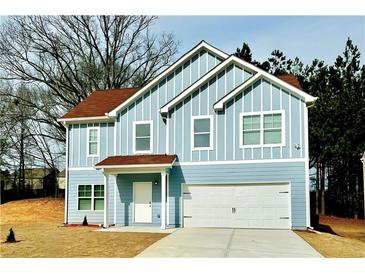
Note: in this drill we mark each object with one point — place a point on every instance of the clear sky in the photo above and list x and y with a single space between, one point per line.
307 37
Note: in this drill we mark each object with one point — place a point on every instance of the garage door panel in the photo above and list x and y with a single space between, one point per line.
242 205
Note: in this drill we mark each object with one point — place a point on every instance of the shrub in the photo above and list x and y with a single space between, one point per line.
11 236
85 221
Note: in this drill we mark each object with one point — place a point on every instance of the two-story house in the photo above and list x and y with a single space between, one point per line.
212 141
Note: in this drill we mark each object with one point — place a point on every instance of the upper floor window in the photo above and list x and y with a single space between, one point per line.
262 129
93 141
202 136
142 137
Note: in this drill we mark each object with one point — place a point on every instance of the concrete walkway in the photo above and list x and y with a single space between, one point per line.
234 243
139 229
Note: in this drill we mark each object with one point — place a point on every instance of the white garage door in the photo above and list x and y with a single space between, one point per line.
238 206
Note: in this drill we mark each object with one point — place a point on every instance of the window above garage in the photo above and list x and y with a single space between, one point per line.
262 129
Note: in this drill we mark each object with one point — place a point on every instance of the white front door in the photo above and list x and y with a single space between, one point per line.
238 206
142 199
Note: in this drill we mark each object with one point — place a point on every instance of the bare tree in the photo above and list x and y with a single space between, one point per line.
64 58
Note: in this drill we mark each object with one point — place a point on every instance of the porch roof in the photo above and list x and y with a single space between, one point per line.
150 160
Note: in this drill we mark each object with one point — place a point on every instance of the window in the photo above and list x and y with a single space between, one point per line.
91 197
143 137
272 128
251 130
202 132
93 141
262 129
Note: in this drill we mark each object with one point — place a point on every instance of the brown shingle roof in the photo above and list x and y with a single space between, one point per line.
291 80
152 159
100 102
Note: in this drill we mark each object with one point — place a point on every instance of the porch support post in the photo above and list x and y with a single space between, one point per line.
106 199
167 199
163 200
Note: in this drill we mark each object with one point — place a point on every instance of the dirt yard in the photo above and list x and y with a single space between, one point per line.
38 228
339 238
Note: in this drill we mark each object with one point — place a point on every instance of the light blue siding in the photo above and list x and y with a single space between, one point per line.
78 144
226 134
294 173
88 177
203 174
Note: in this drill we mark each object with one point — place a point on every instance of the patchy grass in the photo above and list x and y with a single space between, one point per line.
37 224
339 238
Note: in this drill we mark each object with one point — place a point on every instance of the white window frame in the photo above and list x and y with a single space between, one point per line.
199 117
261 114
92 197
135 123
88 142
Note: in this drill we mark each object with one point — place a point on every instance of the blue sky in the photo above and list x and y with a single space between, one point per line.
307 37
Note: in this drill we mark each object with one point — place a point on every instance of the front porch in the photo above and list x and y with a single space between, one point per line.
140 190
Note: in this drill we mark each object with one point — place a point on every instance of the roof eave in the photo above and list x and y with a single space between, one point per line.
78 120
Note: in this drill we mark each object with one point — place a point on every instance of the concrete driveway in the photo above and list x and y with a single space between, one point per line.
234 243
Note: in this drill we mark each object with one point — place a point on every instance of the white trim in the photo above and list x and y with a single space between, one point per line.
261 109
167 199
220 104
261 114
115 199
88 142
300 128
133 203
290 128
115 138
183 130
106 200
306 159
92 197
66 177
107 140
199 117
157 120
85 119
80 168
225 116
181 61
134 166
261 161
150 122
127 133
79 152
216 119
175 118
167 148
163 200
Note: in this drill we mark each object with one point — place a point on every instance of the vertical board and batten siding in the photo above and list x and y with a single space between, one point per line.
147 106
88 177
293 172
78 144
260 96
